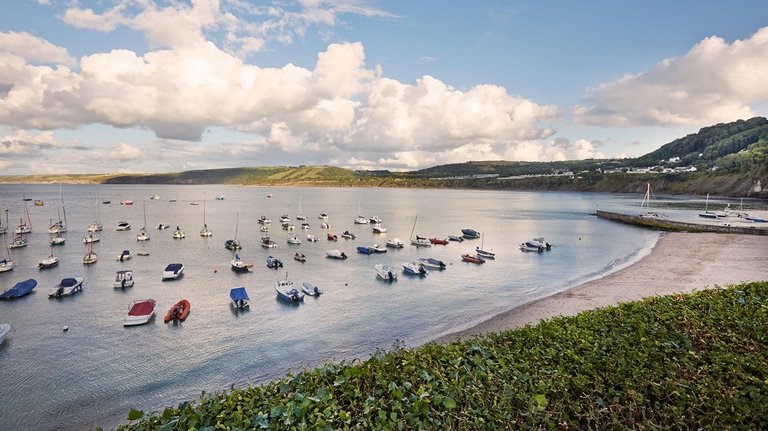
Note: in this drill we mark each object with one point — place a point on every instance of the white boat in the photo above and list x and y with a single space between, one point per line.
374 219
429 262
125 255
123 225
360 219
417 240
455 238
264 228
95 227
414 268
173 271
395 243
48 262
348 235
123 279
311 238
195 203
531 248
268 243
711 214
5 329
324 225
323 216
274 263
285 219
376 248
61 225
155 197
142 235
336 254
238 265
91 238
220 197
646 203
18 242
378 228
264 220
300 215
386 272
305 225
66 287
300 257
24 226
484 253
287 292
162 226
311 289
140 312
58 240
178 233
91 257
6 263
293 240
205 232
539 243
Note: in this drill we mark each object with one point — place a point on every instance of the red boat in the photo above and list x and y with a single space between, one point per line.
438 241
472 259
332 237
179 311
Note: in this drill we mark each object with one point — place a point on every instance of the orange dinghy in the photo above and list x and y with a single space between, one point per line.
179 311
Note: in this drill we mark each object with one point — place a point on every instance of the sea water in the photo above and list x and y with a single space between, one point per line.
92 374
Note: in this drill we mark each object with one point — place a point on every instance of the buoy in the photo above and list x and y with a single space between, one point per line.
65 329
215 270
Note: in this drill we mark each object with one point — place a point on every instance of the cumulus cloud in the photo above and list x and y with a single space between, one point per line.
125 152
715 81
33 48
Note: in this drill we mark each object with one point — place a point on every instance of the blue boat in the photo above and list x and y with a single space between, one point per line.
470 233
19 289
756 220
274 263
173 271
364 250
239 297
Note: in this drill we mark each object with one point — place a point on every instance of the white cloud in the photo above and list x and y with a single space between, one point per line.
714 82
33 48
125 152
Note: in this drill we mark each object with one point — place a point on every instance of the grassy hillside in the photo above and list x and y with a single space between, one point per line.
254 175
697 361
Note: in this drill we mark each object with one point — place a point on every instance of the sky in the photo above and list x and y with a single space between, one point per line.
102 86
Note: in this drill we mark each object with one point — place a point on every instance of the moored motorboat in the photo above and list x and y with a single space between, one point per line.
274 263
19 289
323 216
268 243
5 329
285 219
125 255
375 219
293 240
126 202
287 292
438 241
179 311
123 225
472 259
48 262
173 271
263 220
431 263
332 236
162 226
539 242
311 238
414 268
378 228
470 233
232 244
348 235
395 243
58 240
239 297
299 256
66 287
123 279
91 238
305 225
336 254
528 247
310 289
364 250
376 248
140 312
386 272
419 241
238 265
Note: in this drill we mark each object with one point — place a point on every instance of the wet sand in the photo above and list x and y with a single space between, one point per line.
679 263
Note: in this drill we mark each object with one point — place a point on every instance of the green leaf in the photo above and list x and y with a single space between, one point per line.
135 414
449 403
541 400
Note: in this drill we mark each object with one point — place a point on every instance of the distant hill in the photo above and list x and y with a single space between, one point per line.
254 175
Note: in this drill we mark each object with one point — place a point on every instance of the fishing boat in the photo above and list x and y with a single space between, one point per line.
455 238
173 271
238 265
274 263
48 262
386 272
123 279
413 268
429 262
438 241
239 297
376 248
287 292
268 243
66 287
143 235
91 238
299 256
646 203
178 233
179 312
123 225
335 254
19 289
90 257
348 235
293 240
470 234
364 250
378 228
5 329
485 254
6 263
310 289
140 312
472 259
417 240
395 243
300 215
125 255
332 236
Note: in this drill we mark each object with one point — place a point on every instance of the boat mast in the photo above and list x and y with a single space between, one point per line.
414 226
63 210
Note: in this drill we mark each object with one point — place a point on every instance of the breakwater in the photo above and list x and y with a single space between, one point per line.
679 226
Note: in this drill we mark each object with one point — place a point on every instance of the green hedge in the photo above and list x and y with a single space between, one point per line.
697 361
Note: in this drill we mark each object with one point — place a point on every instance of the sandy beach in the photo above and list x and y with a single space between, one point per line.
680 262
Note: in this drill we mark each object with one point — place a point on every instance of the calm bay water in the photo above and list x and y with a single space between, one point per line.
94 373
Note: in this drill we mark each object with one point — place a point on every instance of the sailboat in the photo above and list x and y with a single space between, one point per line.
711 214
417 240
6 263
61 225
360 219
4 229
96 226
300 215
236 263
24 226
57 240
90 257
647 205
205 231
143 235
48 262
484 253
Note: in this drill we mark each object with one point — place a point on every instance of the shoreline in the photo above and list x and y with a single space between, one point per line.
678 263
